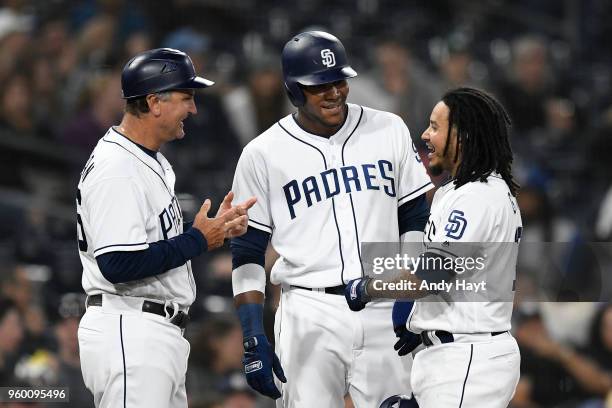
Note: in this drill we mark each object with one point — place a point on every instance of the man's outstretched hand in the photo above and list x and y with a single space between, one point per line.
230 221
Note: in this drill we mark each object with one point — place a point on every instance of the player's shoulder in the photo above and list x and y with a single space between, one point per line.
378 116
386 125
269 138
490 194
110 160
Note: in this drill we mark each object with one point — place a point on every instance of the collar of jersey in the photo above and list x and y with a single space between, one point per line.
352 116
450 180
115 136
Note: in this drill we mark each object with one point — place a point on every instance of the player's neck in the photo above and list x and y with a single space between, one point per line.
311 124
139 131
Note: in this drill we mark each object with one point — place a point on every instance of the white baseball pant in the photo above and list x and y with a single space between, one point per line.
475 371
131 358
327 350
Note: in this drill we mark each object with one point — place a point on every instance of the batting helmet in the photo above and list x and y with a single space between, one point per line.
313 58
158 70
399 401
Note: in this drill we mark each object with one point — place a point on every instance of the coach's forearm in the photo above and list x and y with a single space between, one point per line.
160 257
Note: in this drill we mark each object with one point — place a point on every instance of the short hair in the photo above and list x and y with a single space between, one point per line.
483 127
139 105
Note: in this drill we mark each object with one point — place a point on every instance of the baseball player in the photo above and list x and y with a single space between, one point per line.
135 247
326 178
470 359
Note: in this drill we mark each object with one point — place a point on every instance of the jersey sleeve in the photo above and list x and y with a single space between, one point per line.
116 216
250 180
413 179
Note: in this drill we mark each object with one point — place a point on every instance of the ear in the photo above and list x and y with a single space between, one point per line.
154 104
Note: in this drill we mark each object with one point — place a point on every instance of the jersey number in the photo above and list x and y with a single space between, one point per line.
456 224
80 229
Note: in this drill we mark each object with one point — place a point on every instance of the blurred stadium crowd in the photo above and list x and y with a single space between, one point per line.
60 65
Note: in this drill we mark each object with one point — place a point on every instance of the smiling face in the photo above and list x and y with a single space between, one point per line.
325 109
177 108
436 138
170 110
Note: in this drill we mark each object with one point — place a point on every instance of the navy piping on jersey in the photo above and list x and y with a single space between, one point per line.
152 169
123 354
333 202
351 194
149 152
293 116
466 374
114 245
189 272
260 223
280 332
410 317
418 189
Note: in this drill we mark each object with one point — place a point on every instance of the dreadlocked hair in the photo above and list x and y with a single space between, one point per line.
482 126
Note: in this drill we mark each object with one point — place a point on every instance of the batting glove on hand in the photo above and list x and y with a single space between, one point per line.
259 361
408 340
400 401
356 295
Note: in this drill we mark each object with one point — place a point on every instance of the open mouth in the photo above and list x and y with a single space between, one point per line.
431 150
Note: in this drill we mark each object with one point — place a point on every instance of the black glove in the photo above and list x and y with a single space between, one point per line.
408 341
400 401
259 361
356 294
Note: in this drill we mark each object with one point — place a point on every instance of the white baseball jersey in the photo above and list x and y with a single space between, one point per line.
126 200
477 220
322 197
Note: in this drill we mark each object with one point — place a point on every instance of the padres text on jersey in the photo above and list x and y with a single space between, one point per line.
321 192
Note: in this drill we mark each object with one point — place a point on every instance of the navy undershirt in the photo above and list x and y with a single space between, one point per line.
413 215
161 256
251 247
149 152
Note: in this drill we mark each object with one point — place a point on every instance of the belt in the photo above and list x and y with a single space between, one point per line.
444 336
181 319
333 290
